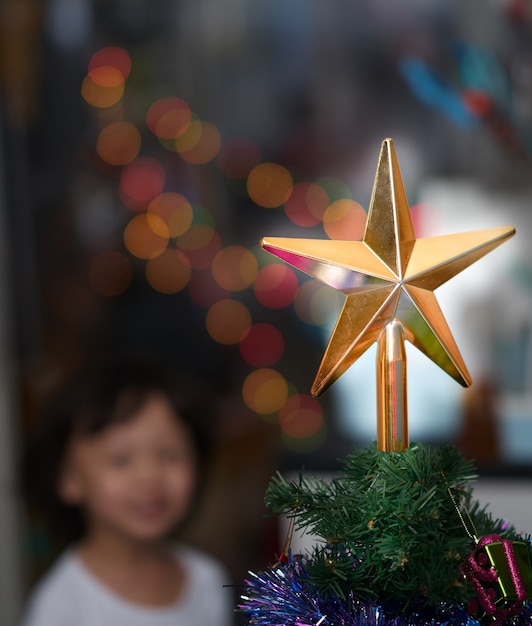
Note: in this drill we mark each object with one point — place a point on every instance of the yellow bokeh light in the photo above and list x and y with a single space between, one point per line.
269 185
146 236
169 272
173 123
103 87
118 143
168 117
110 273
188 139
265 391
174 210
205 149
344 219
234 268
158 225
228 321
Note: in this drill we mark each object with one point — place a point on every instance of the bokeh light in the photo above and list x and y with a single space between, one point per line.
210 272
112 56
228 321
146 236
307 204
276 286
141 181
201 148
201 243
425 219
301 416
234 268
335 188
237 157
262 346
169 272
168 118
202 215
110 273
103 87
316 303
190 136
265 391
174 210
269 185
118 143
345 219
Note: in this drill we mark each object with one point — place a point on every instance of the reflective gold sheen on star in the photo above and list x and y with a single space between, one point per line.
388 276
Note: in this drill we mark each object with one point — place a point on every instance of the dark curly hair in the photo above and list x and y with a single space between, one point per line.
89 402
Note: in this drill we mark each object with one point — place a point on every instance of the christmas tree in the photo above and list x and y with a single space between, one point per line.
400 539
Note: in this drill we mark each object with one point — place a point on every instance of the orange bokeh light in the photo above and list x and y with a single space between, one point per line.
269 185
234 268
228 321
118 143
103 87
146 236
110 273
175 211
168 118
169 272
345 220
265 391
203 147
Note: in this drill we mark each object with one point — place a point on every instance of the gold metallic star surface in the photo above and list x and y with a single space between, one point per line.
387 277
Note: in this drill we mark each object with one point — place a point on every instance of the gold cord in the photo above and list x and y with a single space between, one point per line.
472 535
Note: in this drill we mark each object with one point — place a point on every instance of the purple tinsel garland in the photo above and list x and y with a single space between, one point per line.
279 596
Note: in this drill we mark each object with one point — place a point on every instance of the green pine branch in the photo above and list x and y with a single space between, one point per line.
387 526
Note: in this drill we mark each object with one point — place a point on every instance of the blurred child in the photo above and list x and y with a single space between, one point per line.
115 467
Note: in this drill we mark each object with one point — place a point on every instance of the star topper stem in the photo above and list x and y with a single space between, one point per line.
392 415
388 279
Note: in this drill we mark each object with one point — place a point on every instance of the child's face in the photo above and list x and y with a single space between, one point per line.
133 479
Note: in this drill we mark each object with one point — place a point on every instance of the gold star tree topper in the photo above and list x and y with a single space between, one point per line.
388 279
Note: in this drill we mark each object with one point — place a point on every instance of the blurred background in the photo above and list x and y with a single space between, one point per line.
145 149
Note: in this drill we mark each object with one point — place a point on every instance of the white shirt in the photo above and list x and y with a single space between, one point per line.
69 595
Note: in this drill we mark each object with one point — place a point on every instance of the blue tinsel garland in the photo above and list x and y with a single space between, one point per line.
283 596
